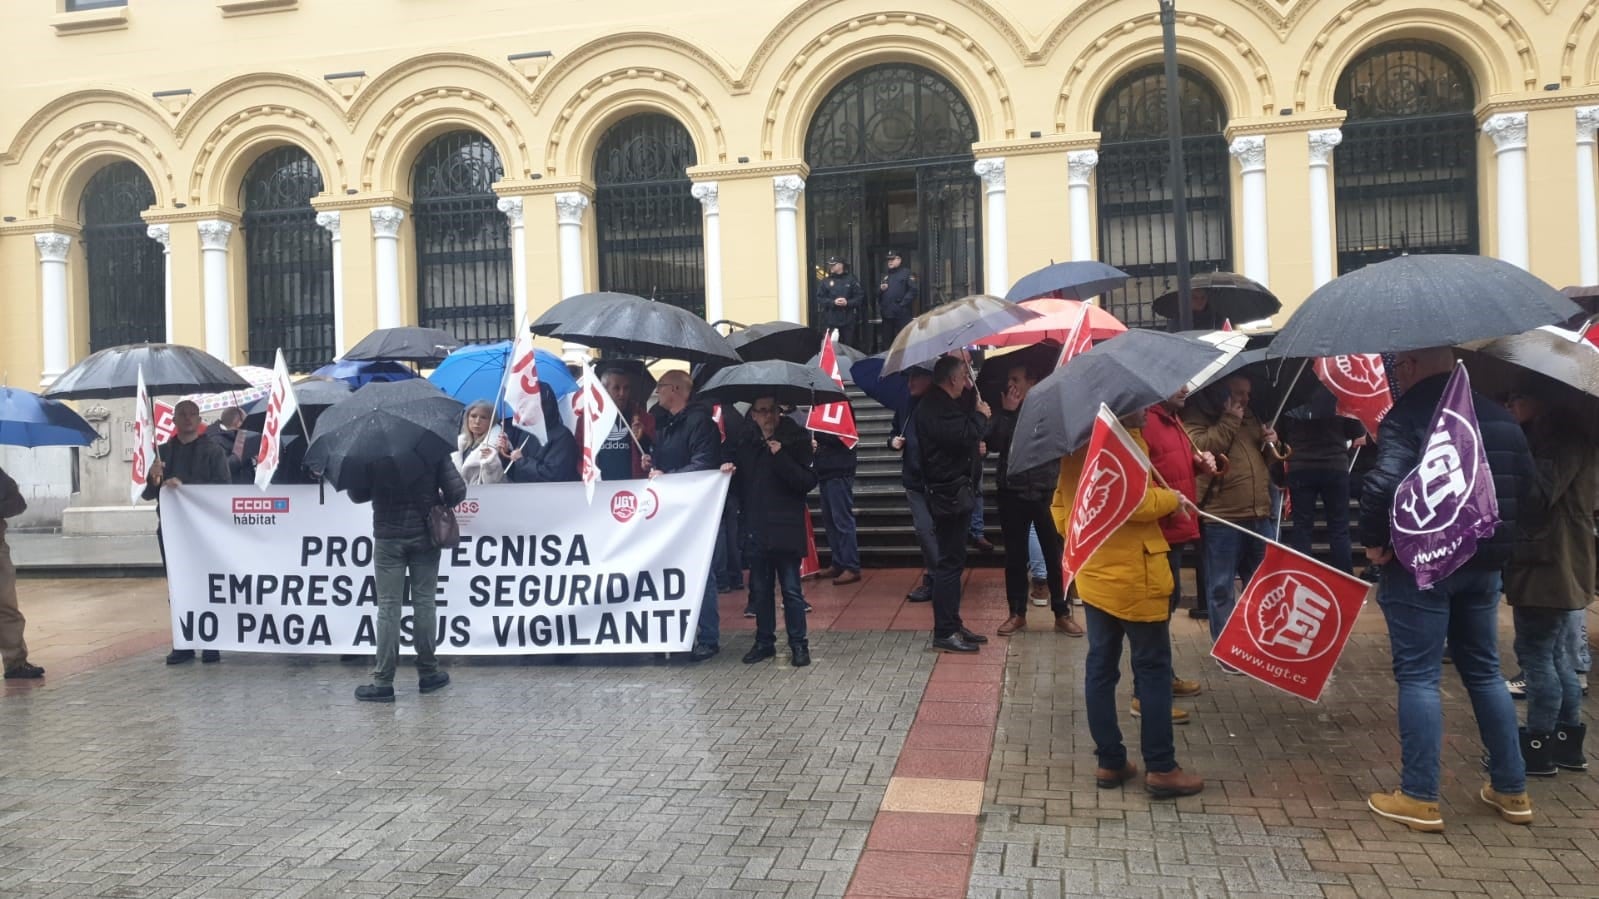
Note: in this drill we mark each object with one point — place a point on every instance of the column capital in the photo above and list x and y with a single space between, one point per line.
1322 143
788 189
1250 150
214 234
161 234
1587 123
707 192
331 221
1080 165
992 171
52 246
1508 131
511 208
386 221
570 206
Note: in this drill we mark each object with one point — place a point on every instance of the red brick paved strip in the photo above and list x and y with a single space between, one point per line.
911 875
115 652
923 832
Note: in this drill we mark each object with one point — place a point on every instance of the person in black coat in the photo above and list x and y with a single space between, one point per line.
902 439
774 475
839 300
948 437
227 433
896 298
552 460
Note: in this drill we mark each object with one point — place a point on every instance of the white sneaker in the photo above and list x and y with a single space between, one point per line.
1042 603
1583 680
1226 668
1517 686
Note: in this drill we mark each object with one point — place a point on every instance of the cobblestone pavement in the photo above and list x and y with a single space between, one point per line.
261 776
1283 812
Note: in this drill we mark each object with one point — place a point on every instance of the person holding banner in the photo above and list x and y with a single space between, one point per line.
534 461
948 439
774 476
478 460
185 459
1462 606
621 455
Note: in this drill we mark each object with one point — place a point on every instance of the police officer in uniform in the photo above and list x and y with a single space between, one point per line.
839 298
896 298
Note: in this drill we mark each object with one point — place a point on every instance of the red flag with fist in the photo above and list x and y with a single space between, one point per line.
1292 623
1114 481
837 418
1361 385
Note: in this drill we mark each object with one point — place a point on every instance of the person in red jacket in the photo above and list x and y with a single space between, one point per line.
1179 464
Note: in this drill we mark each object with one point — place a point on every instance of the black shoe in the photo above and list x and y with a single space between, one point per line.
749 611
1199 614
970 637
34 672
210 655
759 653
427 683
953 643
352 659
982 544
701 652
1566 752
180 657
374 693
920 594
801 655
1537 751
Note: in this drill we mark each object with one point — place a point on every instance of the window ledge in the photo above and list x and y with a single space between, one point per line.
85 21
232 8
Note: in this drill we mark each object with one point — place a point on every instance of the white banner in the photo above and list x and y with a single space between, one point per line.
538 570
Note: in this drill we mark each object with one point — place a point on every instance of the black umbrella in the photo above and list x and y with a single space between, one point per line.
580 304
637 326
1126 373
1222 296
1276 383
790 383
1585 296
775 340
392 431
315 395
410 344
846 357
1040 359
1068 281
168 369
1415 302
952 326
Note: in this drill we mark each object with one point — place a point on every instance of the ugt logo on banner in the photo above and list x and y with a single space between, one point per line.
1292 623
1114 481
1360 384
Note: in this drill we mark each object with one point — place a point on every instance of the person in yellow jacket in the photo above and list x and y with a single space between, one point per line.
1126 590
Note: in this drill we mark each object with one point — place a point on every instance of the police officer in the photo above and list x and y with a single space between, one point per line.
839 298
896 298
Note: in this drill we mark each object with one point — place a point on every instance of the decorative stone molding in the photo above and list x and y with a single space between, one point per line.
742 171
53 247
230 8
632 40
992 171
707 193
204 164
569 208
1322 143
1508 130
1249 151
331 221
222 93
511 208
85 21
1080 165
1268 125
452 99
386 221
52 161
161 234
787 189
1587 123
214 234
696 100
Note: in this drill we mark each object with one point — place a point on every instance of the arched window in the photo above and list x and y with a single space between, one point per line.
1135 201
127 272
890 151
649 225
1405 174
289 262
463 241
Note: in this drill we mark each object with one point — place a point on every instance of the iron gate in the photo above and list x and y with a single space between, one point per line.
289 262
465 284
126 269
1405 174
1135 198
649 226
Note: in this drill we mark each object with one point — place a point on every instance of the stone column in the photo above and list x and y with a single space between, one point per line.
1322 242
787 189
214 234
706 192
162 234
386 221
511 207
996 239
1587 213
569 209
331 221
1251 155
1080 165
1509 133
56 309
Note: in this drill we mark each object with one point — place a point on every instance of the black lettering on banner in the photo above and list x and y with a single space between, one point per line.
646 588
615 588
638 627
361 552
310 548
579 553
369 592
336 547
460 631
318 584
366 633
205 624
213 585
580 589
341 590
293 585
479 585
246 624
550 550
606 634
676 584
265 584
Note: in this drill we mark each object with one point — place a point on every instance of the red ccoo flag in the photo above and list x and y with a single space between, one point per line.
837 418
1292 623
1080 340
1360 384
1113 483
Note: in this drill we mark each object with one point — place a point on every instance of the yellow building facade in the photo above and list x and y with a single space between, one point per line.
302 171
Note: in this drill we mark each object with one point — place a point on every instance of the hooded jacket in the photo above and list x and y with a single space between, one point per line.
773 487
553 460
1244 491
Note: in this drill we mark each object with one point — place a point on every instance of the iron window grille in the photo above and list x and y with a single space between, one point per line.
126 269
289 262
649 227
465 283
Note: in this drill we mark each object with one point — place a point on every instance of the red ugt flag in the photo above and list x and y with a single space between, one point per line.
1292 623
1114 481
1360 384
1079 341
837 418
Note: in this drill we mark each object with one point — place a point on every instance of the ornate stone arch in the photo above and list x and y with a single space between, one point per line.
611 97
1580 55
484 76
1486 38
1228 60
227 152
855 44
405 129
607 49
67 163
308 95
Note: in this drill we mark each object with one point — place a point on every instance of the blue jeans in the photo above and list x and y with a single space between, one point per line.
1463 609
1151 663
1331 487
977 510
1577 640
838 516
709 632
1543 647
1035 556
769 571
1230 554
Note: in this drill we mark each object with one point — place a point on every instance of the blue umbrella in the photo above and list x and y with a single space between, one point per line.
27 419
475 372
361 373
892 391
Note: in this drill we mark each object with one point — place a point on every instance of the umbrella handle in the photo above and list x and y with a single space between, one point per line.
1303 363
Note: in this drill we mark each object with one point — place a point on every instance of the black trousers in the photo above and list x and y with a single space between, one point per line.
1016 516
950 534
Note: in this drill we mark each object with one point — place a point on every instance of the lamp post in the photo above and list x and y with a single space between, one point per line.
1176 173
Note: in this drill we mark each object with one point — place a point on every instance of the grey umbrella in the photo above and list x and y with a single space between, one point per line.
1069 281
636 326
788 382
1126 373
1222 296
1414 302
408 344
1554 353
168 369
952 326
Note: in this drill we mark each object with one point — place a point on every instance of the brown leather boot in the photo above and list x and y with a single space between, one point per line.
1111 778
1067 624
1012 624
1173 783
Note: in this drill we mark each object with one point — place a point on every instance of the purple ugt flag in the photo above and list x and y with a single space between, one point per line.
1447 502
